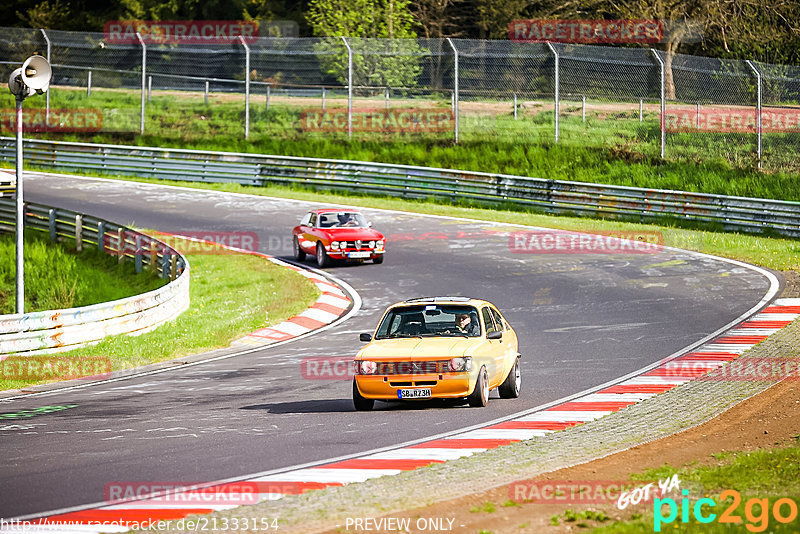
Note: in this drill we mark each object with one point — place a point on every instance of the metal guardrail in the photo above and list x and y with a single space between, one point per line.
548 196
58 330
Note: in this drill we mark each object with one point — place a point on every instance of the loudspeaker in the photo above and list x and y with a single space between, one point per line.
36 73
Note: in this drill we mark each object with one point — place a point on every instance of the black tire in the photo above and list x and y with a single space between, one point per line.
510 387
361 404
322 257
378 259
299 255
479 397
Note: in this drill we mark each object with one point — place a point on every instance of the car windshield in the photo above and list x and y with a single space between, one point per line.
342 219
431 320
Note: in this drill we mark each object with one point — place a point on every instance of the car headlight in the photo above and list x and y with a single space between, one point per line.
461 364
335 245
366 367
380 243
371 244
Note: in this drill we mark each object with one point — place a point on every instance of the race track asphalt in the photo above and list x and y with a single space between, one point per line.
582 320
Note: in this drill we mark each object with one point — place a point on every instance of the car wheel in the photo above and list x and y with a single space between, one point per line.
509 389
322 257
480 395
299 255
361 404
378 259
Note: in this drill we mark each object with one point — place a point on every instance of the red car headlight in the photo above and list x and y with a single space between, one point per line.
366 367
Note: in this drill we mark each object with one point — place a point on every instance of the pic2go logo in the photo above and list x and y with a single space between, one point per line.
756 511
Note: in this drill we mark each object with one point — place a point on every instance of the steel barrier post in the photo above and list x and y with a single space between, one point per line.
758 107
205 99
51 224
663 103
47 94
349 88
89 83
323 98
269 90
138 254
144 79
246 87
149 87
455 86
79 232
556 111
101 236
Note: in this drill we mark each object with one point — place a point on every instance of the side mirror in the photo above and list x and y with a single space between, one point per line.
495 335
365 337
369 223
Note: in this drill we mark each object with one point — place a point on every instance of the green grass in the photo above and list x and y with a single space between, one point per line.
609 148
769 474
774 253
231 295
56 276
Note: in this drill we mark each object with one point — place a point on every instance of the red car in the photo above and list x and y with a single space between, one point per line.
337 234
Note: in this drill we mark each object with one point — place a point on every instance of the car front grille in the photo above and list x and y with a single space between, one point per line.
413 367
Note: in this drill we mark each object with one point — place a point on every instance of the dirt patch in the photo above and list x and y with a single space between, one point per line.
792 289
764 421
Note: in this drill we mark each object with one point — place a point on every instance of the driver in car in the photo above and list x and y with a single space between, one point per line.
467 325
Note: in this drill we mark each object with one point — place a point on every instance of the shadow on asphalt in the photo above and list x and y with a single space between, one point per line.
346 405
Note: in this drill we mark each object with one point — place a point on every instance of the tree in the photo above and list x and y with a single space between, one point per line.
388 64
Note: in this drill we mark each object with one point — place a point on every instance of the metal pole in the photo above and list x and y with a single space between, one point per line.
269 90
47 95
144 75
20 291
246 87
149 87
758 108
663 104
387 99
697 116
455 86
583 108
515 106
641 108
349 88
89 83
556 111
206 95
323 98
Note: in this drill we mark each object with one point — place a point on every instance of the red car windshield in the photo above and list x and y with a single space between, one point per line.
341 219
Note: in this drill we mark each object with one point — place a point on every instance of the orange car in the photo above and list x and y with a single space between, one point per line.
438 347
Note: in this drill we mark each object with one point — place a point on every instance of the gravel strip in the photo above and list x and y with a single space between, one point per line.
683 407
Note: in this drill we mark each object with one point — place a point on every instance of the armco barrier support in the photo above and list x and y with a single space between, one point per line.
549 196
58 330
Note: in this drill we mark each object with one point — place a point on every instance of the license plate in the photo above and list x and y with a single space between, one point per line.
414 393
360 254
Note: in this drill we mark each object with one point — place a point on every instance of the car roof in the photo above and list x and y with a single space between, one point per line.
452 299
333 210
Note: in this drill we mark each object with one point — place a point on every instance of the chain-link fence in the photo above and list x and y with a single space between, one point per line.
461 90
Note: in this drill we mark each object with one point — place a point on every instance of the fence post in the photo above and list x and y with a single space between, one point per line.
269 90
144 76
120 245
455 86
555 92
349 88
583 108
47 93
205 100
165 264
323 98
758 107
663 104
515 106
138 254
51 224
79 233
246 87
88 83
101 236
149 87
641 108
